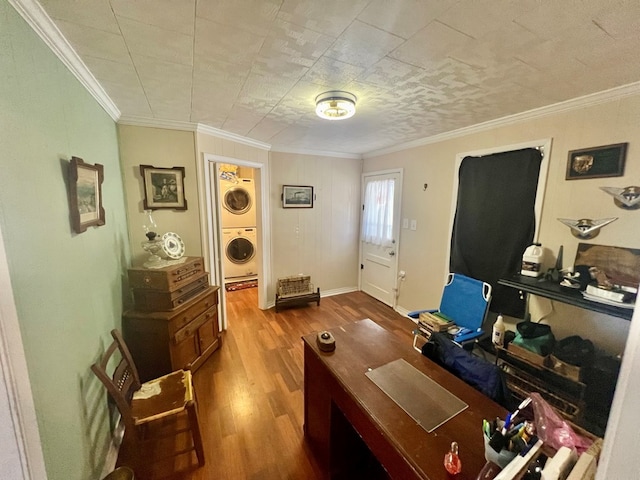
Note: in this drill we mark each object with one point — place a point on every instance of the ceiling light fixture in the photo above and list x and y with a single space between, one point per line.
335 105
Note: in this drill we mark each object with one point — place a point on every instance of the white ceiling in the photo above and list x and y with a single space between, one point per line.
418 67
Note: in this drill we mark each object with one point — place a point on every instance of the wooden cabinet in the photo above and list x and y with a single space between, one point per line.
164 340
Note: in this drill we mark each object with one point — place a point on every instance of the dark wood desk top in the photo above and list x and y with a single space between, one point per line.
365 345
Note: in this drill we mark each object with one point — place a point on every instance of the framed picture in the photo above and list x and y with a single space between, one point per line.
163 187
85 194
297 196
597 162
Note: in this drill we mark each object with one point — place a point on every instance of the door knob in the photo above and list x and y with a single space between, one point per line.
392 253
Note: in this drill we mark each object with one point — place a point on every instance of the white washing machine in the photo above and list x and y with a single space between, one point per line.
239 252
238 202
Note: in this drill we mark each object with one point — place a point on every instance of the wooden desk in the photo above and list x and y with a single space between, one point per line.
336 391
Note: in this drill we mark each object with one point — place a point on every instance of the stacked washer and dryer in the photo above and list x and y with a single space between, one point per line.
239 234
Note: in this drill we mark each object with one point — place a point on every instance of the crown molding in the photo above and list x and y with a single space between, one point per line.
191 127
157 123
32 12
319 153
216 132
568 105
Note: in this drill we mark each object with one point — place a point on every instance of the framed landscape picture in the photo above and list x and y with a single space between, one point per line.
163 187
85 194
297 196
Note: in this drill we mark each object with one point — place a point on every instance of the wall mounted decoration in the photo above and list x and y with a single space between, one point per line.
621 264
596 162
163 188
85 194
627 198
297 196
585 228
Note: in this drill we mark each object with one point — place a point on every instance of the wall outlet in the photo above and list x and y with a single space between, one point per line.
405 223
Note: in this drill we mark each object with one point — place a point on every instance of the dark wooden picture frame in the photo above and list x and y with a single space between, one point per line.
163 187
597 162
297 196
85 194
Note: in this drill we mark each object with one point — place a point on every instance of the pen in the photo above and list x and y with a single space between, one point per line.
507 423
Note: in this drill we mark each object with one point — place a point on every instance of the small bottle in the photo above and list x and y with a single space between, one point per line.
452 463
497 336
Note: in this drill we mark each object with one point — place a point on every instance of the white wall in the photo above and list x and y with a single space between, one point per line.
321 241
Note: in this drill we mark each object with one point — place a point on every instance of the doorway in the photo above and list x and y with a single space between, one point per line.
221 220
380 233
238 223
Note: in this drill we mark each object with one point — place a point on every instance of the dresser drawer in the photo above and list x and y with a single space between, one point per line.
192 328
148 300
168 278
191 313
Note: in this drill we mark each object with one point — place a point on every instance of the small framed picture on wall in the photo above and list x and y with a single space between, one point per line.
85 194
163 188
297 196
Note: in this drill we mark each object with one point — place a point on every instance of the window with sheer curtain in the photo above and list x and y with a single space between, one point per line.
377 223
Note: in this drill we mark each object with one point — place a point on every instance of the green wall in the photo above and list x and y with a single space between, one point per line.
68 288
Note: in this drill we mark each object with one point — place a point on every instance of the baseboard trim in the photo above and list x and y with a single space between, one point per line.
402 311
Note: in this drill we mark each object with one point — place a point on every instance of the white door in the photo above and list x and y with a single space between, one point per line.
379 251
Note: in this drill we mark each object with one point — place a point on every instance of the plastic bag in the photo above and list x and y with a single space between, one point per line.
553 429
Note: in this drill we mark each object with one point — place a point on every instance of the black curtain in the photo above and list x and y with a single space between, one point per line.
495 221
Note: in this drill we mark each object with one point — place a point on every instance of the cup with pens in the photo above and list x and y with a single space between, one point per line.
504 440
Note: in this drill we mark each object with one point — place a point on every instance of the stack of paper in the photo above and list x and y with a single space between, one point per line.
617 295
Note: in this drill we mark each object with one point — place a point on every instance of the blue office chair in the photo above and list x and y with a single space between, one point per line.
465 300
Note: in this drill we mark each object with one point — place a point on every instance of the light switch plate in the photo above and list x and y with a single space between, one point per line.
414 224
405 223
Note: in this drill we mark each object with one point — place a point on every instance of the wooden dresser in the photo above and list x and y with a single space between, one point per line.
175 321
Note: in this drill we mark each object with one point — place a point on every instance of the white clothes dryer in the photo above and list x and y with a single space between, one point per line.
239 252
238 202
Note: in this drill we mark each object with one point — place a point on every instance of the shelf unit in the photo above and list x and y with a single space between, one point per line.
552 290
572 396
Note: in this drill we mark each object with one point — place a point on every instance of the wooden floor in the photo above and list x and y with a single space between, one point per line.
250 392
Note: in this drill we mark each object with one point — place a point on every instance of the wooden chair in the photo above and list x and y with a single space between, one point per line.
152 410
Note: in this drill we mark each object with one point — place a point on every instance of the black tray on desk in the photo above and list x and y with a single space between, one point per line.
548 289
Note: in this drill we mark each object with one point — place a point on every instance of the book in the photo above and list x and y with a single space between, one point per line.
434 321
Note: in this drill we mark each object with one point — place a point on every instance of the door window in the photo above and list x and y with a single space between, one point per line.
377 222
